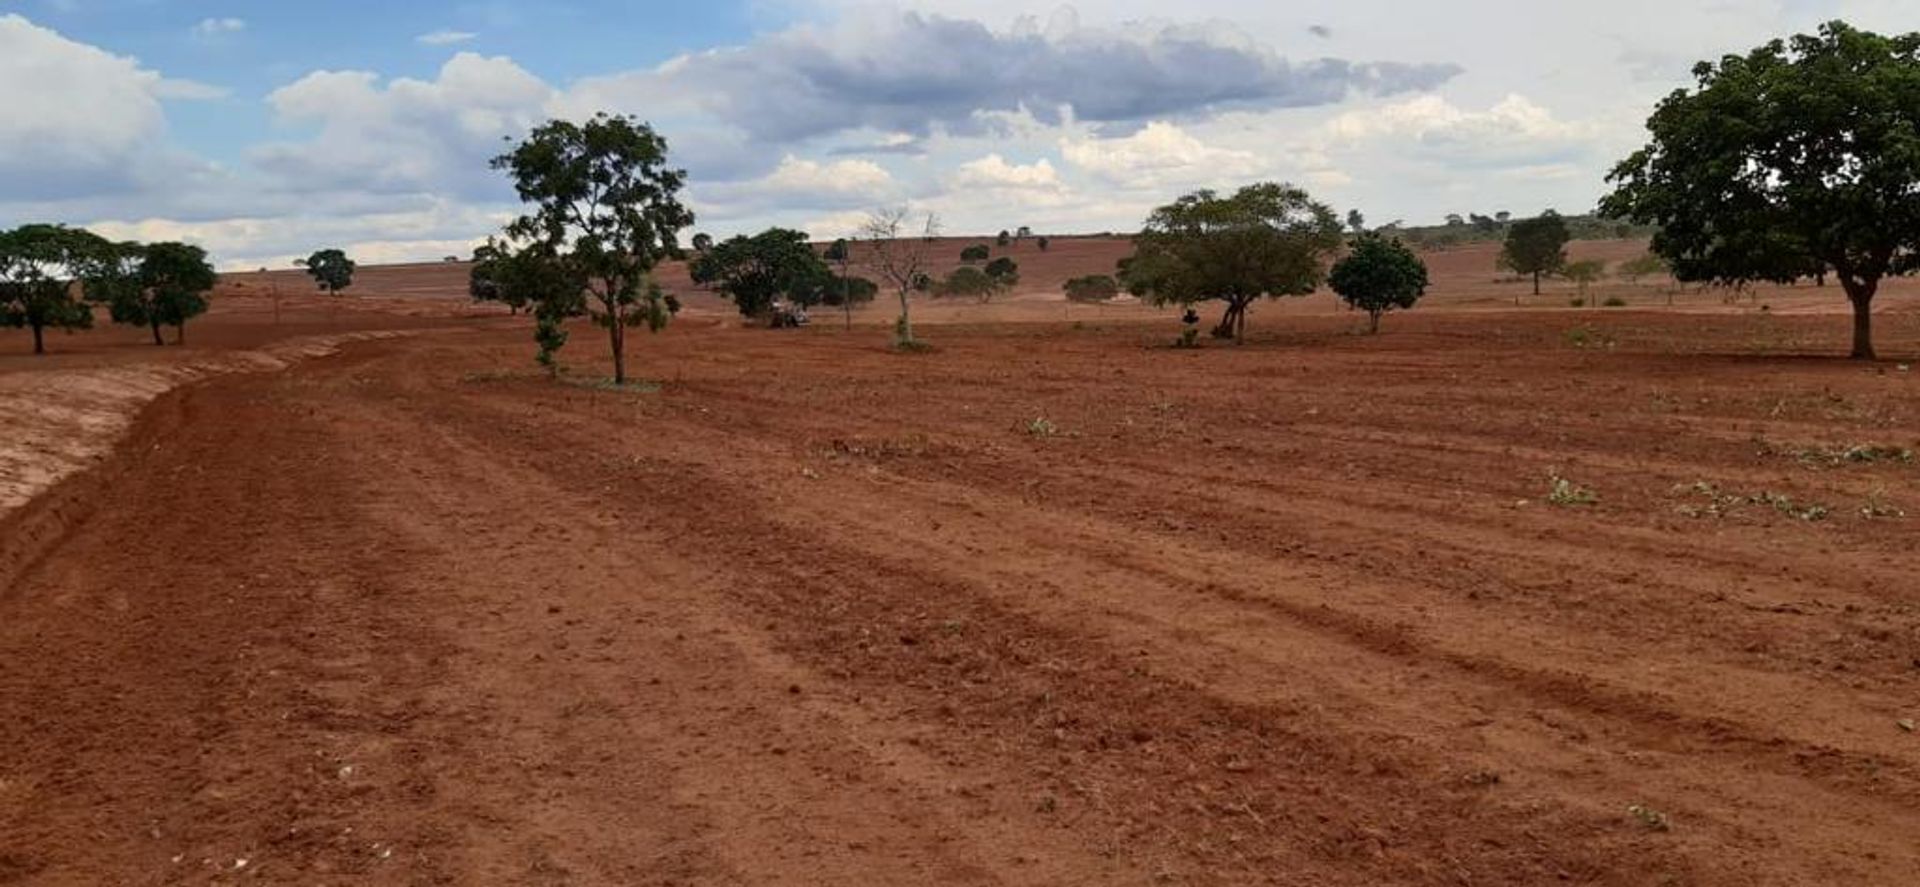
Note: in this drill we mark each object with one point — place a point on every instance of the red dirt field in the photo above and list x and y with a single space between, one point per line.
1053 604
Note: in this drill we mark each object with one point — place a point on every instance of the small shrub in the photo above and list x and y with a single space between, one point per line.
1651 818
1614 302
1041 427
1577 302
1567 494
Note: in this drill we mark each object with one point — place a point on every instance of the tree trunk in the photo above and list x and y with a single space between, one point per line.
1240 325
156 333
179 334
905 333
1373 318
617 330
39 338
1860 293
1536 283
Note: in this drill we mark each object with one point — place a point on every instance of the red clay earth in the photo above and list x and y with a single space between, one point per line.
1053 604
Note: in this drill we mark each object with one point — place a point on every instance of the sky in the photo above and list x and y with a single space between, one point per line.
266 130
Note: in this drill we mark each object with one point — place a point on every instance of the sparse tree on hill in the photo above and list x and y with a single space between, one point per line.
975 253
1023 232
1536 247
331 270
1004 238
1356 222
603 198
1378 275
1266 240
1043 242
966 281
38 267
161 284
1802 152
756 271
1004 272
1091 288
901 257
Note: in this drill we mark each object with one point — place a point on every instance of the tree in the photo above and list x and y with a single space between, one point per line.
967 281
162 284
849 291
38 265
1023 232
604 198
976 253
1004 272
1004 238
1377 276
702 242
1043 242
331 269
1356 222
1265 240
1803 153
1584 273
838 252
901 257
756 271
1536 246
1645 266
1091 288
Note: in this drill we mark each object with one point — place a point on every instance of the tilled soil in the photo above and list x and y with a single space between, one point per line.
1049 605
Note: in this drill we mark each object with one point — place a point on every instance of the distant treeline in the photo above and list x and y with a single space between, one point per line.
1476 228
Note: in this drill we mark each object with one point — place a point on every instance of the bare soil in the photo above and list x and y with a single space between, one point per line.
1051 604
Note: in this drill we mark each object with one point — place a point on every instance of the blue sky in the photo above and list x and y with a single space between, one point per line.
263 130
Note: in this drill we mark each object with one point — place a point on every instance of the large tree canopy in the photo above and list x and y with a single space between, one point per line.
38 267
167 285
1801 156
1266 240
603 197
755 271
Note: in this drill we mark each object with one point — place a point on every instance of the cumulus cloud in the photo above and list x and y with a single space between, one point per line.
80 121
914 73
407 135
993 172
445 37
1514 132
1159 154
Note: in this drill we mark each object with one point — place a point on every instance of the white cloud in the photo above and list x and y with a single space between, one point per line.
80 121
212 28
860 178
993 172
408 135
1159 154
445 37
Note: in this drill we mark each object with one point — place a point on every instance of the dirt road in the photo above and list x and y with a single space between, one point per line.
1047 606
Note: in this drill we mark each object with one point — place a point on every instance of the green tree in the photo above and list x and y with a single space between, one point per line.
1377 276
702 242
968 282
1649 265
901 256
1803 154
1091 288
161 284
604 199
1356 222
331 269
1004 272
1266 240
976 253
38 267
1584 273
1536 246
1043 242
1004 238
756 271
838 252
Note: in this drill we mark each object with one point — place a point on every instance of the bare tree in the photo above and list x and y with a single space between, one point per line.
901 257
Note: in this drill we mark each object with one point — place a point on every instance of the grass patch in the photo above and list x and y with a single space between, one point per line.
1835 456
